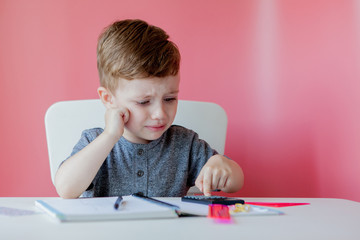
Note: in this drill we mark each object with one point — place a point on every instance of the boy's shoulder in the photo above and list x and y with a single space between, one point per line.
92 133
180 130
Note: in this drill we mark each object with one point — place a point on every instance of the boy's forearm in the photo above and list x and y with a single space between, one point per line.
76 174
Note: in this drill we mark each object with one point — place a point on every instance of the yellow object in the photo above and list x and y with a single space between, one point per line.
240 208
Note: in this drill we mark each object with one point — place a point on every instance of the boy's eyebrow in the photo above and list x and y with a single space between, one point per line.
149 95
176 91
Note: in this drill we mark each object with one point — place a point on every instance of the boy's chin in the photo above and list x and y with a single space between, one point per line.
144 137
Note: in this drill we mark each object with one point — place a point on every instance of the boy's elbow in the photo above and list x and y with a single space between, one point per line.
65 193
64 190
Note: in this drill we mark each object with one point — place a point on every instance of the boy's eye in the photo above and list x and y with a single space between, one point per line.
170 99
144 102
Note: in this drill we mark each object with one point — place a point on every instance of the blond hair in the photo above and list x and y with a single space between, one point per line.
131 49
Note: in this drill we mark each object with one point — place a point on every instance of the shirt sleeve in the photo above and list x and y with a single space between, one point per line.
87 136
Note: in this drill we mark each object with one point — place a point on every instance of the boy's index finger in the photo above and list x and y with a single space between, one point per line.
207 193
207 183
199 181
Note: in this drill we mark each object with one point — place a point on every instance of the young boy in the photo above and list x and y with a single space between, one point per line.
139 150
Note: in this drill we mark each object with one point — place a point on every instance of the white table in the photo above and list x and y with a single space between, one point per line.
324 218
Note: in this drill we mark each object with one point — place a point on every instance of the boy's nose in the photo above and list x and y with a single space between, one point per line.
158 112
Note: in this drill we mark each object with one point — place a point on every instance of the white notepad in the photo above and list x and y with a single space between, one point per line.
96 209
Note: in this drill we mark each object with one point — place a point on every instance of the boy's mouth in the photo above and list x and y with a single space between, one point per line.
156 128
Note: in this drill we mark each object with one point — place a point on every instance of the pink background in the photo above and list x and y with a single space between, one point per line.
286 72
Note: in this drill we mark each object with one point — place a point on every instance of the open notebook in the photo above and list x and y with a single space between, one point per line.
96 209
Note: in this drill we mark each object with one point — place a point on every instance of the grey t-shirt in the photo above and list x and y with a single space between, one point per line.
165 167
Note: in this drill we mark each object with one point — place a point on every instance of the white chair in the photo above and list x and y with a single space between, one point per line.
65 121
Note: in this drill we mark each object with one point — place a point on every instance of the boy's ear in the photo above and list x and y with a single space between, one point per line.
106 97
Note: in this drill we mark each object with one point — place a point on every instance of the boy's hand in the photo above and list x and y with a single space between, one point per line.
115 120
215 174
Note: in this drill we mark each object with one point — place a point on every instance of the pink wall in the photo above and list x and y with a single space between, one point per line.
287 73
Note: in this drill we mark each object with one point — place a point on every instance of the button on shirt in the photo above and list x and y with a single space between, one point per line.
165 167
140 173
141 164
140 151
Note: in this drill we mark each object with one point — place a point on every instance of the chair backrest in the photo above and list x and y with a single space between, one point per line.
65 121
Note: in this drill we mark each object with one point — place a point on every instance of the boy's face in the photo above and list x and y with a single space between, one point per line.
152 104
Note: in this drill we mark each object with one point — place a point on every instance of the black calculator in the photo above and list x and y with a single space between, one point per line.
212 200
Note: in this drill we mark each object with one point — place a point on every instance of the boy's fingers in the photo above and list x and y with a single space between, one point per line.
216 177
222 183
125 115
222 178
207 179
199 181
